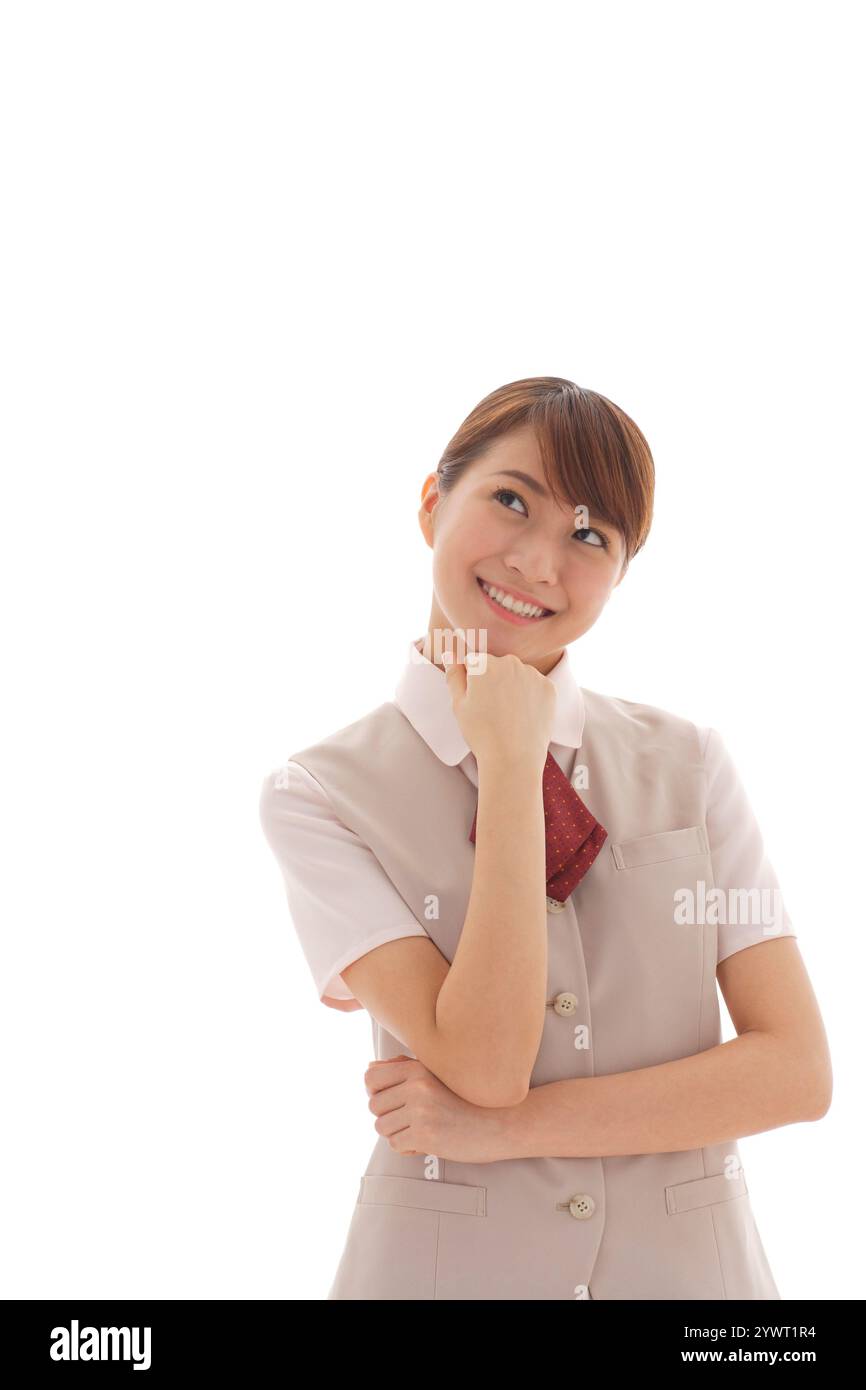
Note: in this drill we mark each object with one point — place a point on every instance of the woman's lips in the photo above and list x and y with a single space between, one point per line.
508 616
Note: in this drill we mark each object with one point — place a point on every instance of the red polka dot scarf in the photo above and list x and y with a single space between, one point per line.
572 836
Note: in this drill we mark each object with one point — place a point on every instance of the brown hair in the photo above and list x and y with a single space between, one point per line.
592 452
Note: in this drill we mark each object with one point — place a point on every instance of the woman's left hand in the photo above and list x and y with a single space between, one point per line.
418 1114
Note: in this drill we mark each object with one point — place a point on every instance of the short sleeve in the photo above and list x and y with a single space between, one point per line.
740 863
341 901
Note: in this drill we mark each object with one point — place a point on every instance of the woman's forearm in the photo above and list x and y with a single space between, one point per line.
752 1083
492 1002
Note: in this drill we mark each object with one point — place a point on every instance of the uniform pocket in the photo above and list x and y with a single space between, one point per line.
664 845
704 1192
381 1189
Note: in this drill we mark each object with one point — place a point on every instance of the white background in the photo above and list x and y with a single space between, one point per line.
260 262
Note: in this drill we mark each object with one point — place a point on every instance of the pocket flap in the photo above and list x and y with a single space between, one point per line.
385 1190
685 1196
666 844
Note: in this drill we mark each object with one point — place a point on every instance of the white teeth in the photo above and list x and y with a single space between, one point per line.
523 610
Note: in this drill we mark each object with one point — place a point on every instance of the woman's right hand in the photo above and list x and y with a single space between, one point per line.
505 711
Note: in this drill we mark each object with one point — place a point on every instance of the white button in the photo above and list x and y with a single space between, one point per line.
581 1206
565 1004
581 1290
554 905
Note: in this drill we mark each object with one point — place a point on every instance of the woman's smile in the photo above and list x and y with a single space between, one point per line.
504 610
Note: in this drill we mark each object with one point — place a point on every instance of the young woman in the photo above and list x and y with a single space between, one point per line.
533 888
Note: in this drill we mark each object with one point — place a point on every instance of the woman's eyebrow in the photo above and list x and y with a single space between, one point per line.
526 478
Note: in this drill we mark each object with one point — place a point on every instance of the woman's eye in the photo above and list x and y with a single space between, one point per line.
506 492
591 531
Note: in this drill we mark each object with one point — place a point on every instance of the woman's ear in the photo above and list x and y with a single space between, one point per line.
429 498
429 491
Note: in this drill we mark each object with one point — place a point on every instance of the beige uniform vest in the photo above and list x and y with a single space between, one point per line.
627 988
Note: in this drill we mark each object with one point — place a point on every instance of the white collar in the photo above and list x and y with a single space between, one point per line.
423 697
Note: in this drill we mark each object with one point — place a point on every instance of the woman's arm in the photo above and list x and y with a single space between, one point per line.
777 1071
493 1000
481 1029
477 1024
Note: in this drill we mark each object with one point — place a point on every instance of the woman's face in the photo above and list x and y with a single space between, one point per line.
512 534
